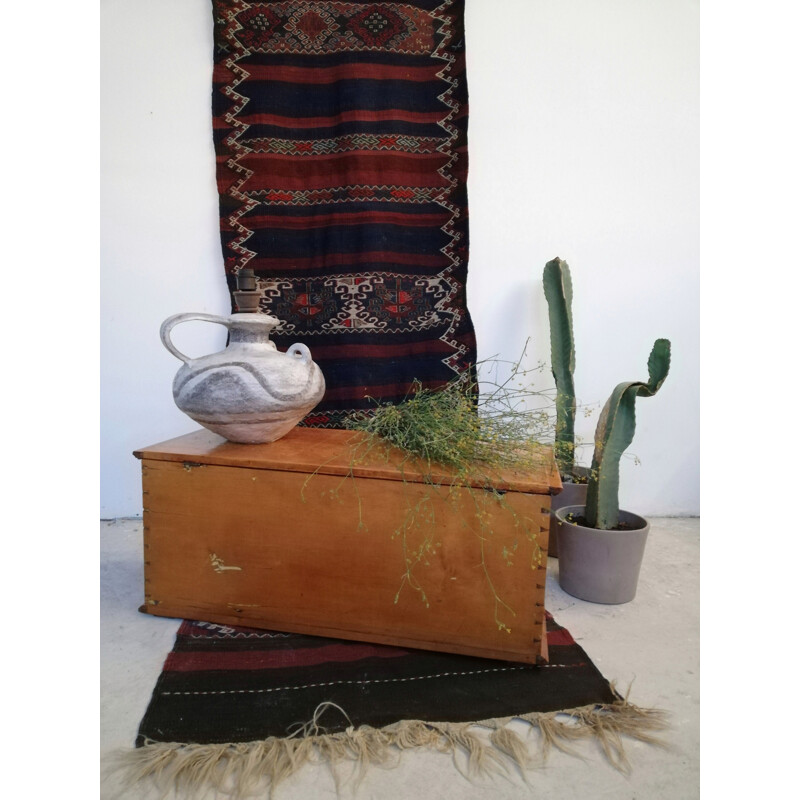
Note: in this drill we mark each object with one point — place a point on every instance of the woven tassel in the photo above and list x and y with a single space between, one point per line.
513 747
482 758
255 768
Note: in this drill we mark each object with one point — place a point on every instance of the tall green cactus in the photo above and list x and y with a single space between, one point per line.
614 433
558 291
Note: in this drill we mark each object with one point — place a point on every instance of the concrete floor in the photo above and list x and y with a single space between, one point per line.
651 644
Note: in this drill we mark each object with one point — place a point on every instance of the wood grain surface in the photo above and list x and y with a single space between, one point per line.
304 551
339 452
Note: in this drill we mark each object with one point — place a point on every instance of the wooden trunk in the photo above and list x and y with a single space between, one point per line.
309 536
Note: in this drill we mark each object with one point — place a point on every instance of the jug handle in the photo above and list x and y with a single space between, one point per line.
168 324
300 351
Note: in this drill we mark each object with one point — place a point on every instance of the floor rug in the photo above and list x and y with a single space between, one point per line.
340 131
238 709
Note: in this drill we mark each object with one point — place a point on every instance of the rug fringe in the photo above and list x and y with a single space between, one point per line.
249 768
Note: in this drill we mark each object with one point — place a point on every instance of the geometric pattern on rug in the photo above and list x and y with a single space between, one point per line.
232 684
340 131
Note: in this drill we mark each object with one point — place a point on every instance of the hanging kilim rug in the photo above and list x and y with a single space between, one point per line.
340 131
239 709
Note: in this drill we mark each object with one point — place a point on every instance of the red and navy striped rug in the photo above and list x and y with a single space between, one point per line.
340 131
222 684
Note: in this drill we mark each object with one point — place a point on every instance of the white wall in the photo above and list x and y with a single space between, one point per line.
583 144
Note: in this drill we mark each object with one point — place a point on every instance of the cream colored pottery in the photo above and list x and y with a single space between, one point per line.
249 392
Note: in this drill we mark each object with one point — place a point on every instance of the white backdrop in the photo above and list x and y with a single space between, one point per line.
583 144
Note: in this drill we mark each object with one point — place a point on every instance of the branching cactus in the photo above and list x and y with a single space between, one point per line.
614 433
558 291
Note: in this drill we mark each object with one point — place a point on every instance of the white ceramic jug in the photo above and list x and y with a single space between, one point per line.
249 392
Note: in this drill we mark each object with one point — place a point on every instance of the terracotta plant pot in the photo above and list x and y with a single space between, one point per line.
596 565
573 494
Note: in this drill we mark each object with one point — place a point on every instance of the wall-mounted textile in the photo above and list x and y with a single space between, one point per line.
341 137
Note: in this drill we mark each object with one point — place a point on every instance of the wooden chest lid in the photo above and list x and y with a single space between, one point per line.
337 452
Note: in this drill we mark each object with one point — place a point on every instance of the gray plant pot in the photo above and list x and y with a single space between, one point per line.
572 494
600 566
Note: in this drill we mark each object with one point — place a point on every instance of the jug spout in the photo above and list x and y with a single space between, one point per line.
252 328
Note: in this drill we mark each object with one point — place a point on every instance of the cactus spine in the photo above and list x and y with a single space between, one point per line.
558 291
614 433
